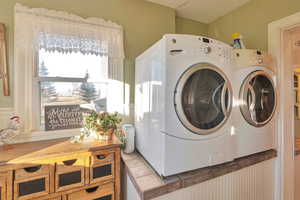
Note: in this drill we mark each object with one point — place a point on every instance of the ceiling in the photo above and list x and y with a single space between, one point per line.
205 11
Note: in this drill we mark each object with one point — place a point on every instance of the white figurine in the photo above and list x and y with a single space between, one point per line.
6 135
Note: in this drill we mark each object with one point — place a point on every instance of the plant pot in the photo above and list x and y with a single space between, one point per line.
105 135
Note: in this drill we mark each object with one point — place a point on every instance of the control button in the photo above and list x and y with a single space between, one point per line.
260 60
207 50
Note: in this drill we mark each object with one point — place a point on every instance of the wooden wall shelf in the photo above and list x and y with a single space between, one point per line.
59 170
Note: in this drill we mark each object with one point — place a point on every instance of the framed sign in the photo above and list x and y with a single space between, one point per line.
3 61
58 117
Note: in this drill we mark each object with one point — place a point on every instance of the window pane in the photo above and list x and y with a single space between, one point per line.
76 65
88 95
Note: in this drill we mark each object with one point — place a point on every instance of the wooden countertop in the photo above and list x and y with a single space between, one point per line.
150 185
33 152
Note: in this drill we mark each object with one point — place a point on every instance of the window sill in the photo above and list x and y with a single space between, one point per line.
45 135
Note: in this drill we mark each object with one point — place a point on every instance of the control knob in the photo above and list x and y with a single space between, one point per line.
260 60
207 50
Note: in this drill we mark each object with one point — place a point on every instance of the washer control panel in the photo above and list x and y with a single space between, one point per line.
199 46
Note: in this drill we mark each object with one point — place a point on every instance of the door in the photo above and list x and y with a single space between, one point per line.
258 98
203 98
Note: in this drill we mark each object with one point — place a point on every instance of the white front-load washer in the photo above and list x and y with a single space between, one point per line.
183 102
254 101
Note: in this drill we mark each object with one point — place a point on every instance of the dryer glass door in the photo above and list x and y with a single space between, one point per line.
203 99
258 98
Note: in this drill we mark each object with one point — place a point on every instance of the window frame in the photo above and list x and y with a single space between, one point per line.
36 124
28 23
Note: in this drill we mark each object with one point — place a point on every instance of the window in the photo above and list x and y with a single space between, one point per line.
64 59
71 79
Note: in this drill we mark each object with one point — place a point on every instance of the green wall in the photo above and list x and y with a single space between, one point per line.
252 20
143 22
187 26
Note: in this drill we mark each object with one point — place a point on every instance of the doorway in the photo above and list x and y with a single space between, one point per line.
291 54
280 46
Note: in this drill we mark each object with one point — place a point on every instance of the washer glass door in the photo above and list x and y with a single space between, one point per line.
203 99
258 98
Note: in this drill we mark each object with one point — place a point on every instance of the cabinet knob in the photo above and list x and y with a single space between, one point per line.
32 169
207 50
101 157
69 162
91 190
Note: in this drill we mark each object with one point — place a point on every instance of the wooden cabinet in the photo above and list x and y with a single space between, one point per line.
56 198
3 191
31 182
31 171
70 173
31 188
102 167
101 192
61 171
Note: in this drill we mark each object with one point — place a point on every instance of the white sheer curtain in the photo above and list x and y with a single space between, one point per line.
51 30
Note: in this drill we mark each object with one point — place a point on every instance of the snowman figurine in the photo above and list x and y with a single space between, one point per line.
6 135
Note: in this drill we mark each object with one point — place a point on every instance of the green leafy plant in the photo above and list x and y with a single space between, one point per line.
90 120
102 122
122 137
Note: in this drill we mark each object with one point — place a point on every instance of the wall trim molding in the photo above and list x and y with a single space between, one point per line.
284 171
5 114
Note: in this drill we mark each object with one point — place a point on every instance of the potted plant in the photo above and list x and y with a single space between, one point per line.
102 124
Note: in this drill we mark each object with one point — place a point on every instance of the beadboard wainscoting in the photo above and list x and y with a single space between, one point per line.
252 183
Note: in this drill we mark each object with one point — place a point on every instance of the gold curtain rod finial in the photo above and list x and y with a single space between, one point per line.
2 31
3 61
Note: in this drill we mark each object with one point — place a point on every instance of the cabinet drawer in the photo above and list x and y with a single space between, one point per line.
31 188
101 172
56 198
70 173
32 171
99 157
101 192
3 188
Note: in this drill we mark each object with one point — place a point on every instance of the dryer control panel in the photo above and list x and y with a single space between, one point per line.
250 57
197 46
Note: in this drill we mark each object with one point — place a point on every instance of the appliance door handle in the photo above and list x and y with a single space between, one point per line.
214 96
263 93
223 99
252 103
262 101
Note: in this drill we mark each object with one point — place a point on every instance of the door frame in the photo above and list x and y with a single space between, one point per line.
284 169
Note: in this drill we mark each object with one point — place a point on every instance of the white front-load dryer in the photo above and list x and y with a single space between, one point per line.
183 104
254 101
